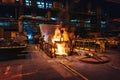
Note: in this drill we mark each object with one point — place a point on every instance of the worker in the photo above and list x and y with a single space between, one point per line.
102 46
36 40
41 41
71 42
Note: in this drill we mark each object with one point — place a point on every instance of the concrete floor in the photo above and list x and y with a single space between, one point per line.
36 65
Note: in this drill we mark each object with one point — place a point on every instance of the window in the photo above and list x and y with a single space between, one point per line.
40 4
48 5
44 4
87 23
74 21
7 24
103 24
52 18
28 2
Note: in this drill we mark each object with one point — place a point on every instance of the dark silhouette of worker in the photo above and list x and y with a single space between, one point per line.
36 40
42 42
71 42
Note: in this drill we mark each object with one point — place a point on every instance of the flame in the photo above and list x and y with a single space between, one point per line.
60 40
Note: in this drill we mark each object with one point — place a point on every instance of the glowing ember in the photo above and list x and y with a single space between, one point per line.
60 39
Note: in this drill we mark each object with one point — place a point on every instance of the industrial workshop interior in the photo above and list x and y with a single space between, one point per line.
59 39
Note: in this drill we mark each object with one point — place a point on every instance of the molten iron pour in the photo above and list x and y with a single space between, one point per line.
60 40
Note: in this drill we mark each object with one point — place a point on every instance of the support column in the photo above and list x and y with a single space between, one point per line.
99 16
20 26
67 13
89 7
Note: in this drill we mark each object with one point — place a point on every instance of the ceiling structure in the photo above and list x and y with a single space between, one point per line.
115 1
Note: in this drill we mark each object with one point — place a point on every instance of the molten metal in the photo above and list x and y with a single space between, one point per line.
60 39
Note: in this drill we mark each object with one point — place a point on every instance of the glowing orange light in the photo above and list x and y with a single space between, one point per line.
60 40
